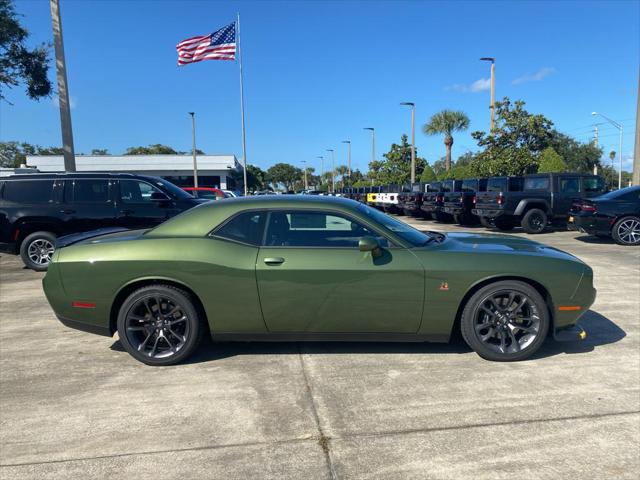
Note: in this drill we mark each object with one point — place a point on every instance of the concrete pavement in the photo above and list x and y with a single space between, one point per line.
74 405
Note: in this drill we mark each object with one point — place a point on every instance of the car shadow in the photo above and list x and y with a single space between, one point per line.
595 240
600 331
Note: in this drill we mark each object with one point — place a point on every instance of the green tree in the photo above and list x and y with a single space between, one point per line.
362 183
550 161
396 168
155 149
100 151
579 157
509 161
428 175
285 174
19 64
446 123
255 178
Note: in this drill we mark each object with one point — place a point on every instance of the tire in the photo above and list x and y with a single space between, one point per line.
164 339
487 222
504 336
503 224
36 250
443 217
534 221
408 213
626 231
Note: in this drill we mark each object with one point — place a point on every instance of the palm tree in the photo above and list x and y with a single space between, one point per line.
341 171
446 122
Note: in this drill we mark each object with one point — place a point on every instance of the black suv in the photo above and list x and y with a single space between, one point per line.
544 198
37 208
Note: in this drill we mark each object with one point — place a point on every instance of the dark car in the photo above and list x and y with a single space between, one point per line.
35 209
545 198
460 202
411 201
615 214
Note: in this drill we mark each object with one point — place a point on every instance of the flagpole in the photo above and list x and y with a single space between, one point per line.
244 138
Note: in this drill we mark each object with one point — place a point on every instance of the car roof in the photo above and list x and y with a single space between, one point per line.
76 175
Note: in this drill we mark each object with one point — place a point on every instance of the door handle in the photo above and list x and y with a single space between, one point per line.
68 211
274 260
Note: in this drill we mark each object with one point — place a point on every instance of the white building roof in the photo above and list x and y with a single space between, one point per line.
135 163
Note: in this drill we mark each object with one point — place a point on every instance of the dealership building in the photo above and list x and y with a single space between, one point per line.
213 170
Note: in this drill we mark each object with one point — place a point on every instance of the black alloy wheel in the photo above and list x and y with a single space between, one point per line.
626 231
37 249
534 221
505 321
159 325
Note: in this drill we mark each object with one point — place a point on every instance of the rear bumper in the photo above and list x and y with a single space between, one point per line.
85 327
453 210
431 208
589 224
8 248
487 212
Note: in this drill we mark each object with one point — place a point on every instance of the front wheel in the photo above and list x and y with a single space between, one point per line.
160 325
37 249
505 321
626 231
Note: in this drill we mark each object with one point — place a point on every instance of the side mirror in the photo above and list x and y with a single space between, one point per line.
370 244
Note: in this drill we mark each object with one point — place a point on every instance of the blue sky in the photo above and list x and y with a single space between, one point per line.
316 73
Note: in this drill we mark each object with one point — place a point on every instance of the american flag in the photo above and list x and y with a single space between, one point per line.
219 45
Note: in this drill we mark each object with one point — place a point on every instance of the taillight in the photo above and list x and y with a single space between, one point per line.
585 207
439 198
500 199
461 198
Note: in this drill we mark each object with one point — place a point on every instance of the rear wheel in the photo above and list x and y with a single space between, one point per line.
37 249
486 222
504 224
505 321
534 221
160 325
626 231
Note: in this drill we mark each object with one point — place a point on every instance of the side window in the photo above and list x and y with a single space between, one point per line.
593 184
29 191
570 185
135 191
536 183
91 191
245 228
305 228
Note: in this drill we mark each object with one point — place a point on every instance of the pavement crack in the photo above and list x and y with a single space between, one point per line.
324 441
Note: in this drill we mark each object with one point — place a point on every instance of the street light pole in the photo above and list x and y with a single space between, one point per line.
193 148
619 127
333 172
373 142
321 167
493 89
306 186
348 142
413 140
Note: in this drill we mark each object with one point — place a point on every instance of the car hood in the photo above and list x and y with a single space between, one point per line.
496 243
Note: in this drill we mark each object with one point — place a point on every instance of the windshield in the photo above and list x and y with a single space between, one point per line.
406 232
174 192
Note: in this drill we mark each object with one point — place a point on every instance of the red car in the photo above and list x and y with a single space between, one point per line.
209 193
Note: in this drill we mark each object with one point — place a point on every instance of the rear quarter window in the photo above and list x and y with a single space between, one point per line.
29 191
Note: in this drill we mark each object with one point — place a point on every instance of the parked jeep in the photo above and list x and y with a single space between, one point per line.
544 198
433 199
35 209
460 202
411 201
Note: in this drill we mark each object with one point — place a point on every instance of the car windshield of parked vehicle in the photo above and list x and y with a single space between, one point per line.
175 192
627 194
412 235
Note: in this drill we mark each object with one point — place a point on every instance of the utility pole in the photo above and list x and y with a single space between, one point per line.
348 142
306 185
619 127
373 142
493 90
63 91
413 140
595 135
193 148
321 168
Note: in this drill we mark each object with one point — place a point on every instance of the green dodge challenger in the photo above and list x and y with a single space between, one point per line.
278 268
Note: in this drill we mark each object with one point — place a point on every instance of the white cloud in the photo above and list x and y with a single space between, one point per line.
535 77
479 85
73 101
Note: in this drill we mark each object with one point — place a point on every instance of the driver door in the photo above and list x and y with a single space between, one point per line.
312 277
